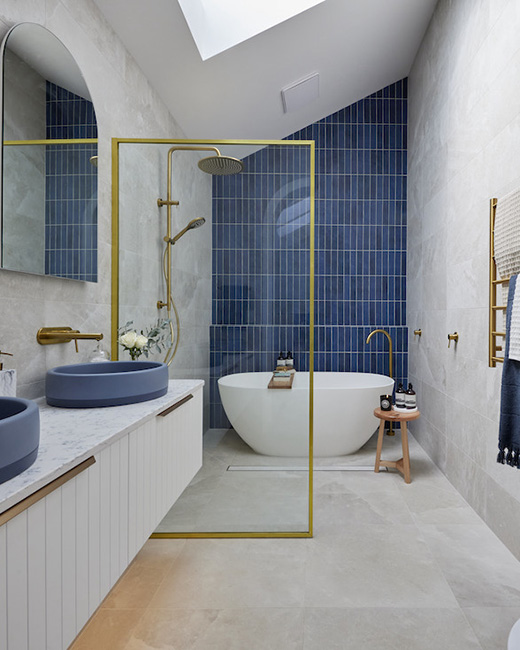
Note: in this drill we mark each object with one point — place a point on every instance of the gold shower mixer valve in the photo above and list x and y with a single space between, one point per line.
453 337
161 202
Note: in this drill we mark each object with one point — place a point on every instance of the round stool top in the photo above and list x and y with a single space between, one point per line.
396 416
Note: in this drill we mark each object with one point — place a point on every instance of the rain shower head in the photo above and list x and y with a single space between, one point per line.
194 223
220 165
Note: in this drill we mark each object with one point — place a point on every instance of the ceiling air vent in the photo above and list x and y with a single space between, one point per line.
301 93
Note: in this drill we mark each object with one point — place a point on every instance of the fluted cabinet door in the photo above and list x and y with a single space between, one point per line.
61 556
180 447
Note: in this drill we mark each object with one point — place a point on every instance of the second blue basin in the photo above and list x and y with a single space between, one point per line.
112 383
19 435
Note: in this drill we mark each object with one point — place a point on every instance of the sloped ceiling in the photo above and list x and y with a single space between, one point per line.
356 46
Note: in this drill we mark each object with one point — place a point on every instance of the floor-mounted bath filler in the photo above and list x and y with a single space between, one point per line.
390 431
217 165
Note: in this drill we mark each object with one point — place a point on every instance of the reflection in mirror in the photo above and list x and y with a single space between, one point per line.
49 191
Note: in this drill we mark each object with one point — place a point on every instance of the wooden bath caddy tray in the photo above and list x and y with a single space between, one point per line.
281 383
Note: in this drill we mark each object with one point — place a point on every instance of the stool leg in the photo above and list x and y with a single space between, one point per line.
379 445
406 453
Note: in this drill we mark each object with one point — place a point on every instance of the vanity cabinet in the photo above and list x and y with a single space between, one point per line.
60 557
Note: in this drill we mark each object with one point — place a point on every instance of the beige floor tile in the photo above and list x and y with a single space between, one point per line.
135 589
108 630
492 625
374 566
480 570
235 573
437 502
388 629
159 553
342 499
211 629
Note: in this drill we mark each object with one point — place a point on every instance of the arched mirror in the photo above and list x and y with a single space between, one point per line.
49 159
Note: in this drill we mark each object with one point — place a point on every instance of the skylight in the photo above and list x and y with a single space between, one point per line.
217 25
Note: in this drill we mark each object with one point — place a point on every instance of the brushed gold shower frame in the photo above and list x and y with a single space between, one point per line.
116 142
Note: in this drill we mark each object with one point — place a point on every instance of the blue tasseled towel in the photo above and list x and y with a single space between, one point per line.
509 431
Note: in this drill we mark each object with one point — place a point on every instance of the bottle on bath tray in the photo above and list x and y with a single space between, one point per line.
400 398
289 363
280 362
410 399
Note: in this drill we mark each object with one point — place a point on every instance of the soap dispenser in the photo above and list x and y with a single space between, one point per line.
410 399
280 363
400 404
98 354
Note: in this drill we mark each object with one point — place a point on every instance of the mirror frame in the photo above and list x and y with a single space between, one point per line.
42 142
115 310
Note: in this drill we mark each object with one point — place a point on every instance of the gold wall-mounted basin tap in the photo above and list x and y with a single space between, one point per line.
54 335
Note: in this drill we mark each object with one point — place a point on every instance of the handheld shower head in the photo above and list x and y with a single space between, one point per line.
194 223
220 165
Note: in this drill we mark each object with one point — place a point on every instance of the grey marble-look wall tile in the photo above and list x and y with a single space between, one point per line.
466 476
126 105
502 511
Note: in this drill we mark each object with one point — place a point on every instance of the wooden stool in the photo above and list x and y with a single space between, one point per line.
403 464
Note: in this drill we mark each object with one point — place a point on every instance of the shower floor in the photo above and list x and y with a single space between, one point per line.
238 490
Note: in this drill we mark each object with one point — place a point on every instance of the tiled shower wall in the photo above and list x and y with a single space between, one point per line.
464 150
71 188
360 249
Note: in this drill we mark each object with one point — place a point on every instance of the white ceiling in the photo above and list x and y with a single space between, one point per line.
356 46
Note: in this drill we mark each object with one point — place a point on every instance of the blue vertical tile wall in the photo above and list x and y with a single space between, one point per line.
260 278
71 188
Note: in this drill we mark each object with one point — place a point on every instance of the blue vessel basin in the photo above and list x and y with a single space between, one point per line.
112 383
19 436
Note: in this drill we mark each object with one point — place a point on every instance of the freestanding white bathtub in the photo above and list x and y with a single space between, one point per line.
276 422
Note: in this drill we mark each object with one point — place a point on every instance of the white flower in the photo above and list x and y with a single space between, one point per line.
129 339
141 342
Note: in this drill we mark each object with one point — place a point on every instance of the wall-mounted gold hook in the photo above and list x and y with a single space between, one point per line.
453 337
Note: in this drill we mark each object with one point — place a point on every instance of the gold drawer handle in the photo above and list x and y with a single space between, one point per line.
44 491
170 409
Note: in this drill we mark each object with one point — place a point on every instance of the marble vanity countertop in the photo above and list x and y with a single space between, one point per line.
70 436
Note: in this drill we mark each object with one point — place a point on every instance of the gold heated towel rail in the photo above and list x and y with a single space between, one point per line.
494 283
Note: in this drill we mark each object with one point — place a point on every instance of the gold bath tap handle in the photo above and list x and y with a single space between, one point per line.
417 332
453 337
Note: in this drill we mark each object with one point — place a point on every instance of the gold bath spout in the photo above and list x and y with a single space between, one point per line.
390 431
390 354
53 335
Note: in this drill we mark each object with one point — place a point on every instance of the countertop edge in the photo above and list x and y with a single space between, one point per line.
22 486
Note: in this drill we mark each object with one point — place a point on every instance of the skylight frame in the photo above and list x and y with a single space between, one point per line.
218 25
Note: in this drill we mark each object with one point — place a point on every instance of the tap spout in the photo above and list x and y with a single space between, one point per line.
390 351
54 335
